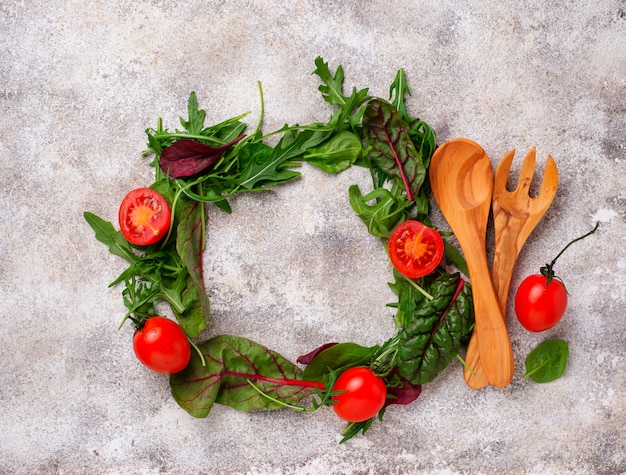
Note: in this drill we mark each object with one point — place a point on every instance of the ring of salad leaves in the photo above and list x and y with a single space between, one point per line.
199 165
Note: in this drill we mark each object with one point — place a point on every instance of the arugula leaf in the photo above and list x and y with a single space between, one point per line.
231 361
432 329
547 361
397 92
332 92
195 122
107 235
385 212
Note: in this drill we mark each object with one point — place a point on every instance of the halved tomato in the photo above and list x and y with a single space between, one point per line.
144 217
415 250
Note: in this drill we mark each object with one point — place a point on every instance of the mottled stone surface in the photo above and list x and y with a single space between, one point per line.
79 83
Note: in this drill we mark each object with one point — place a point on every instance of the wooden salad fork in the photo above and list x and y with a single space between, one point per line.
515 215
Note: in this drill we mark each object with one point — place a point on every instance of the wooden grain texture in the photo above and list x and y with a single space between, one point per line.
462 182
515 216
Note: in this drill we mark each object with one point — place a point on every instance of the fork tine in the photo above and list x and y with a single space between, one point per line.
550 181
527 171
501 176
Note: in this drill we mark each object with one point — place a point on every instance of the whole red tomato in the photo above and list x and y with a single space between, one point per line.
363 395
415 249
161 345
144 217
540 304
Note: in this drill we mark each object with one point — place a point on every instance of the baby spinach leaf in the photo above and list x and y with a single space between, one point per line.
433 329
337 154
231 361
337 358
391 147
547 361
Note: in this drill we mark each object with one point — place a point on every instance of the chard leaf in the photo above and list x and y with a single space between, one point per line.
107 235
547 362
187 157
189 246
231 361
433 329
337 358
385 212
336 155
392 148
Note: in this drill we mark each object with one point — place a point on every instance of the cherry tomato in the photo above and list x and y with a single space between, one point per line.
144 217
161 345
363 395
539 306
415 250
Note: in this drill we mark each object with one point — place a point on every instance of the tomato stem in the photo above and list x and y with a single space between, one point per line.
548 270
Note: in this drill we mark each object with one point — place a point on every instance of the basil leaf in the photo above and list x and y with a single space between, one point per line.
433 329
337 358
547 362
229 362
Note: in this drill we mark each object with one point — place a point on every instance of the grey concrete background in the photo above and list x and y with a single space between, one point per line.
79 83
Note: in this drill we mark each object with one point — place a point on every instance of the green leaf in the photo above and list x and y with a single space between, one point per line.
385 212
337 154
433 329
391 147
231 361
195 121
265 167
189 246
397 92
337 358
547 362
332 92
106 234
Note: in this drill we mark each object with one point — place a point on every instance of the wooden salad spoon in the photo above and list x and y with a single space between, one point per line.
515 216
461 179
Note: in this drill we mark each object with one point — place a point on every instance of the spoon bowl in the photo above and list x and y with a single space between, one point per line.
461 179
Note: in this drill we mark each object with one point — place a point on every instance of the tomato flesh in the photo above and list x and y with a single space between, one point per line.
415 250
161 345
144 217
363 395
540 307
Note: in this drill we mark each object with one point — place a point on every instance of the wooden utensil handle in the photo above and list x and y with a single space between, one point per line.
494 344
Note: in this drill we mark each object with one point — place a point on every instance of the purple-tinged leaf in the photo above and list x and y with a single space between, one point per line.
433 331
230 363
392 149
404 394
306 359
187 157
189 245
